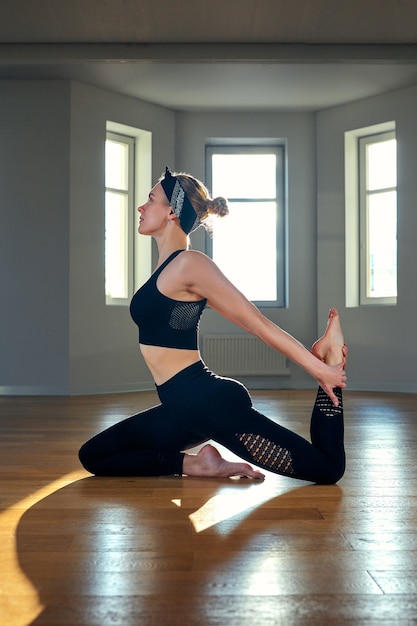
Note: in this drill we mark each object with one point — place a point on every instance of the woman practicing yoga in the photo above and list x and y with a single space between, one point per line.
196 404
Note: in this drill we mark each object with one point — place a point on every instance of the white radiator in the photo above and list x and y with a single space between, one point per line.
244 355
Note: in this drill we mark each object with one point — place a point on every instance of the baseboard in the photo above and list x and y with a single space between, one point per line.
76 390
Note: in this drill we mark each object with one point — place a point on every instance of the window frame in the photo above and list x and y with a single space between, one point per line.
140 253
355 216
260 147
129 194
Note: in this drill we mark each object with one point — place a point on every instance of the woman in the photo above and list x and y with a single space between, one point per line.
197 405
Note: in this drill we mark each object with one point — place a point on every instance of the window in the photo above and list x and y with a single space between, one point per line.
127 184
371 215
378 218
249 244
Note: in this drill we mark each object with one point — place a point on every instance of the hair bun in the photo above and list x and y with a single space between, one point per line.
218 206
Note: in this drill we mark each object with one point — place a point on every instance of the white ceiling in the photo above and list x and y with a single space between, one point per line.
216 54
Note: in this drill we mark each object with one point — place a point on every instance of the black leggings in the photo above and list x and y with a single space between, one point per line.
197 405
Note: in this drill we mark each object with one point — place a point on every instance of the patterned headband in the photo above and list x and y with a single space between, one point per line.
180 202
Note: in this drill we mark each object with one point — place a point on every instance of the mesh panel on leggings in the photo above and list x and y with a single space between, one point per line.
267 453
326 406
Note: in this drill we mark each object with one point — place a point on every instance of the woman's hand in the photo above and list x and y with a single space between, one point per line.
331 377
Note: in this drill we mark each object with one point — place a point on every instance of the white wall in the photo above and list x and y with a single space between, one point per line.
382 340
34 218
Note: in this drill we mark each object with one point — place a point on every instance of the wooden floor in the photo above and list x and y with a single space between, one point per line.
79 550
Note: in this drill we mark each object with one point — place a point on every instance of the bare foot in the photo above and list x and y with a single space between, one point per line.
331 347
209 462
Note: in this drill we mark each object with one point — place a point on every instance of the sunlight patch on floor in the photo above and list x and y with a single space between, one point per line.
12 578
228 503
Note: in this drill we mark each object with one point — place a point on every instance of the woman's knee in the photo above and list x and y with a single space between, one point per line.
87 458
333 474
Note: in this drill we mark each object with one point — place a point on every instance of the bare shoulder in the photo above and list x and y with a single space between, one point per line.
203 278
194 261
199 274
195 256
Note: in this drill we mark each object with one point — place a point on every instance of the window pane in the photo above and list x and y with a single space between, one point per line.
251 265
116 240
244 175
382 164
382 245
117 155
249 244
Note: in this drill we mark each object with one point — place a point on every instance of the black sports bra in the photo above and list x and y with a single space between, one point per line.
163 321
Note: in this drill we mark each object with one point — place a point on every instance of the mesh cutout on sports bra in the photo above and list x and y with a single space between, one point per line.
267 453
185 315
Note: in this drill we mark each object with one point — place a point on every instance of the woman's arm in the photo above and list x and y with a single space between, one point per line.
204 278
